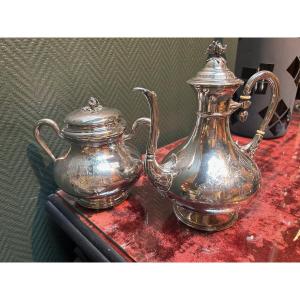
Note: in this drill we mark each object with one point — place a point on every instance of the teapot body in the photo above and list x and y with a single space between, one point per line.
212 177
209 176
99 176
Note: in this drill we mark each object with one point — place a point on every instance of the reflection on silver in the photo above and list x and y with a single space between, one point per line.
99 167
209 175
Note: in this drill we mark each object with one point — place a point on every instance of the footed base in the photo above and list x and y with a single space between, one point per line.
103 202
205 222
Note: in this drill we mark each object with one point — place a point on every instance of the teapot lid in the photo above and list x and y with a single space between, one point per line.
215 72
93 123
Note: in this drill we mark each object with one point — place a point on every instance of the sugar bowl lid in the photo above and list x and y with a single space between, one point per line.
93 123
215 72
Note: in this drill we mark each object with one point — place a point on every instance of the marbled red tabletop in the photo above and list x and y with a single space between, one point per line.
144 228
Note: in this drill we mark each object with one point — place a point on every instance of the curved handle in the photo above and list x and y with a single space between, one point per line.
39 139
136 123
270 77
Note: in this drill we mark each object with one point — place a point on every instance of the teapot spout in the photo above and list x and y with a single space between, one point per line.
159 174
154 116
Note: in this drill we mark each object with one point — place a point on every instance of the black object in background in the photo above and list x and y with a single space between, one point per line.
280 56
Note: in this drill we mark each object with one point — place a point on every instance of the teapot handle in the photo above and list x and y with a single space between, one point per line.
40 140
271 78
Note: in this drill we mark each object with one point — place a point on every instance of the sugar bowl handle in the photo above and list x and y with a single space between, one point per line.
270 77
136 123
40 140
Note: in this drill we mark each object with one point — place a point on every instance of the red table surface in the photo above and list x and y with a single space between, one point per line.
144 228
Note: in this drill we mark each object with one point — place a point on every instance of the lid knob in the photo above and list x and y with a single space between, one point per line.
215 72
216 49
93 105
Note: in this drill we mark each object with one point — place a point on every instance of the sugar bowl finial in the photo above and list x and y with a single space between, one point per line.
216 49
93 105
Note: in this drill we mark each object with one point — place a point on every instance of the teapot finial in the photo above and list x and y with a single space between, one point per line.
93 105
216 49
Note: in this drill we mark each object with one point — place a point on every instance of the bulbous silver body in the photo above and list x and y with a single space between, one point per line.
209 176
100 176
101 166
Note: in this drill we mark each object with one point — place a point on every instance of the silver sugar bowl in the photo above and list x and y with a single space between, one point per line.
99 168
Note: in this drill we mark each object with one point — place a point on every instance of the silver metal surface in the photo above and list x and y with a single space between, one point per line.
215 72
99 168
209 176
297 105
93 123
270 77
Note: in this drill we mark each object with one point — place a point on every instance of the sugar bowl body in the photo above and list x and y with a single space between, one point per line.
100 167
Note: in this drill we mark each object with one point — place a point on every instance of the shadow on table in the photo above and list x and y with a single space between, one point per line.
49 242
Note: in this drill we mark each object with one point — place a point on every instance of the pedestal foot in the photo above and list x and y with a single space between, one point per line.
102 203
205 222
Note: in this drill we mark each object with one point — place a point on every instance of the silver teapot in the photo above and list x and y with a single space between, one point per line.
99 168
209 176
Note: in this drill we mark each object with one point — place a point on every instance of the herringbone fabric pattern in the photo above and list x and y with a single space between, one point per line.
50 77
